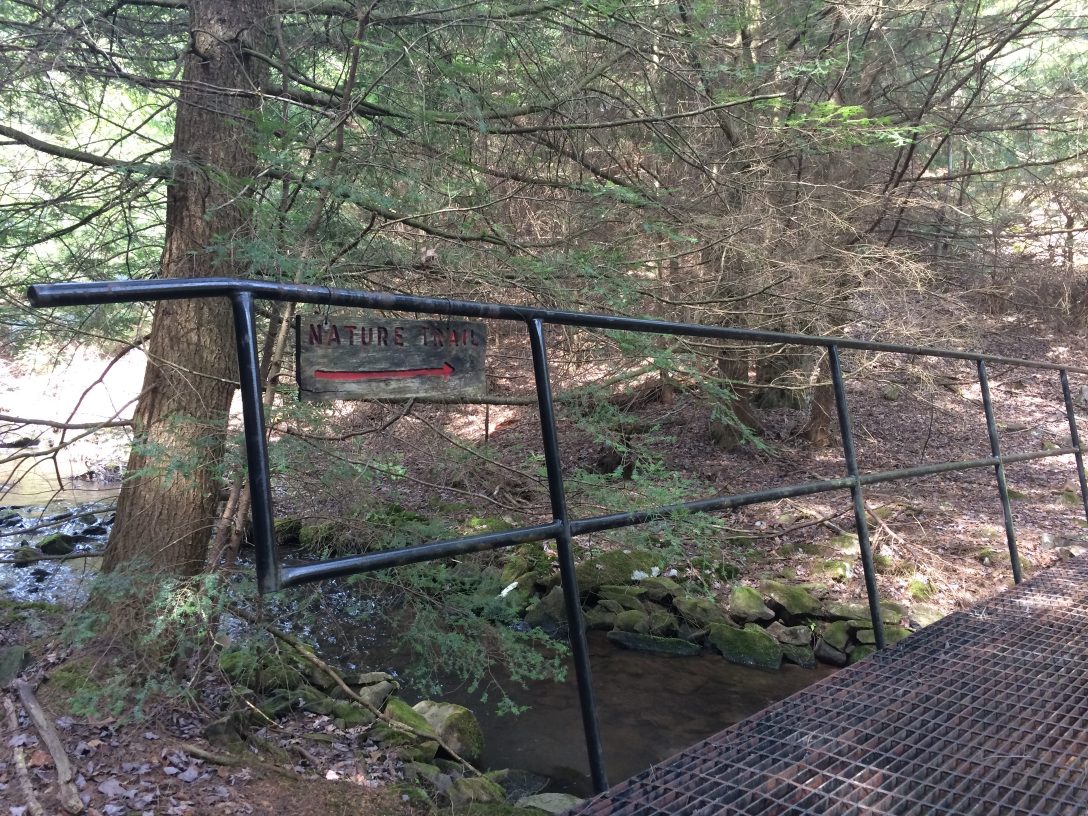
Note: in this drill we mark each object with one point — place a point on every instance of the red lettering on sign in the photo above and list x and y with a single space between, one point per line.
334 335
383 336
351 335
315 334
366 336
398 336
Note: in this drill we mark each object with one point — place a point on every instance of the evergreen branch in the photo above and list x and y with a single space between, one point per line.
72 154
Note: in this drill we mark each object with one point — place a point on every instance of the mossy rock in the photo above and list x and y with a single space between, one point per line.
1015 494
549 613
58 544
474 790
412 794
745 604
599 619
663 623
397 709
612 568
263 670
424 772
827 653
513 568
348 714
25 556
750 646
288 531
628 597
409 747
802 656
633 620
700 612
661 589
455 725
790 635
837 570
793 603
377 693
861 652
837 634
671 647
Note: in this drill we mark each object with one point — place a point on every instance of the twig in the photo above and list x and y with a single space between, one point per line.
211 756
883 526
826 521
67 426
32 803
303 650
43 557
69 796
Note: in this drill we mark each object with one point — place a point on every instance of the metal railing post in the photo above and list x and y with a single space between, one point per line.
575 621
260 483
1074 439
999 469
847 432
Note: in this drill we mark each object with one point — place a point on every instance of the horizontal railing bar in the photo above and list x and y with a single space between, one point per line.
598 524
369 562
72 294
966 464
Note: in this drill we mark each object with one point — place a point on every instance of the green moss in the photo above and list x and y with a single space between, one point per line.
837 634
288 531
700 612
489 524
745 604
920 590
672 647
613 568
795 601
398 710
750 646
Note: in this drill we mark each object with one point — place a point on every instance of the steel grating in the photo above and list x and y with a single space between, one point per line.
984 712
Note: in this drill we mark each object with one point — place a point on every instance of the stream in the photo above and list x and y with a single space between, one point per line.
650 707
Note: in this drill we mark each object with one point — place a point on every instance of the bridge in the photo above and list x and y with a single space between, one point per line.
984 712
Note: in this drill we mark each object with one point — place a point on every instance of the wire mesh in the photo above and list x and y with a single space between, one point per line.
984 712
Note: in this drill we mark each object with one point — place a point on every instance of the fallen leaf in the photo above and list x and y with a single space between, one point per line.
113 789
39 759
190 774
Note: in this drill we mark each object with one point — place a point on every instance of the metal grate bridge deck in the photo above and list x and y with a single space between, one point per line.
984 712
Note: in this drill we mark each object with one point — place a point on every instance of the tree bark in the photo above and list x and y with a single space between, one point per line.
166 510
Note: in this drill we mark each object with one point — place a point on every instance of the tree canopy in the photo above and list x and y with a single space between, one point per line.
791 164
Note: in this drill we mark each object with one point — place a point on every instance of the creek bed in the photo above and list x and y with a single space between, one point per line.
650 707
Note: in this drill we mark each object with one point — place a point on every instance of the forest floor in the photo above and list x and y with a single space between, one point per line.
939 542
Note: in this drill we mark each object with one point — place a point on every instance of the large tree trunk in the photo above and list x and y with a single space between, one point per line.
167 505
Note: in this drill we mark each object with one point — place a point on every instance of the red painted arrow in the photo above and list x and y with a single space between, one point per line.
396 374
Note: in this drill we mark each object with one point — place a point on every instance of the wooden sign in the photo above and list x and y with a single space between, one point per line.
355 357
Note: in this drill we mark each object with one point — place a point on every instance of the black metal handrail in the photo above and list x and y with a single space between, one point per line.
273 575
